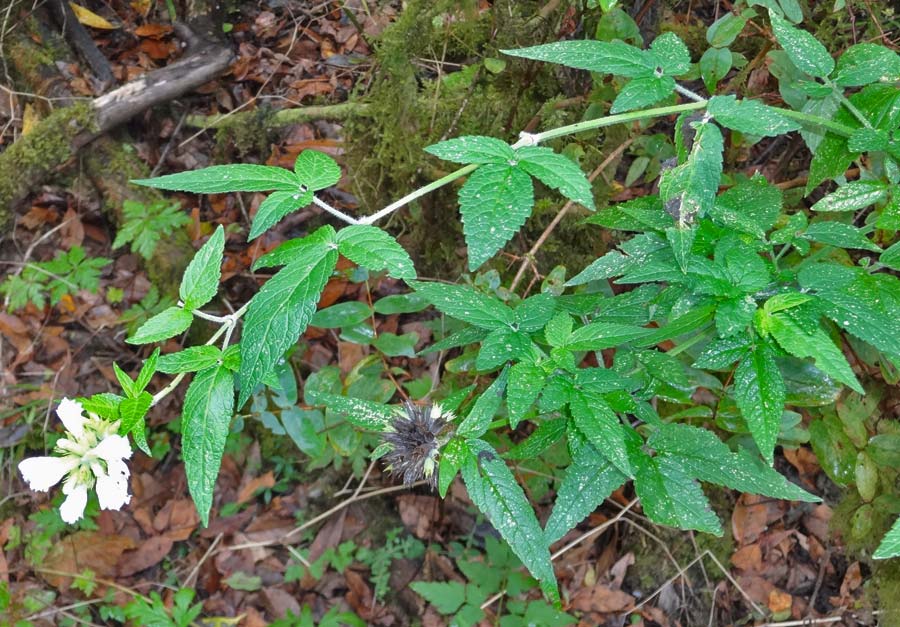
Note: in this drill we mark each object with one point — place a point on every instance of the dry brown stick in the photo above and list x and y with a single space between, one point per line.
562 212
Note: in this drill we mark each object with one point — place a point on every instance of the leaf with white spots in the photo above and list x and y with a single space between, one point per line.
759 392
473 149
494 202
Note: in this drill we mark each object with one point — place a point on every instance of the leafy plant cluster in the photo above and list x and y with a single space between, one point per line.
746 293
42 281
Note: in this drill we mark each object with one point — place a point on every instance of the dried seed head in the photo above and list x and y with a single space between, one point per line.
416 436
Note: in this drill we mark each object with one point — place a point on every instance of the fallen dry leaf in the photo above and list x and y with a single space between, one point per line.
779 601
81 550
602 599
150 553
249 489
89 18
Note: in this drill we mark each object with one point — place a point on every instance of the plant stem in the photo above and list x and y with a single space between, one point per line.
418 193
850 106
815 120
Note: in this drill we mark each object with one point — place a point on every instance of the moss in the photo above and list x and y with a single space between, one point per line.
46 147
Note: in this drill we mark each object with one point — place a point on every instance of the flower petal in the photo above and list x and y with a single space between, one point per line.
72 509
112 490
43 472
113 447
71 413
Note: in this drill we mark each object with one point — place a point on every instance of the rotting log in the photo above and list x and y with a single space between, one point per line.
57 138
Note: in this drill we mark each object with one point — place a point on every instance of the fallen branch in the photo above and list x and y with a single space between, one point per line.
283 117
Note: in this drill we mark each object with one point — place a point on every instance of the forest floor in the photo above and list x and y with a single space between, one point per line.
300 533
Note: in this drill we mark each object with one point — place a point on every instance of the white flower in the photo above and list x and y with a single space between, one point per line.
91 456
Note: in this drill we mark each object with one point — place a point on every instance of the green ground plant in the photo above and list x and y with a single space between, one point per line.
750 294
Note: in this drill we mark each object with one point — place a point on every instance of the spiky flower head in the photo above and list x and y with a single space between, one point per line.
415 438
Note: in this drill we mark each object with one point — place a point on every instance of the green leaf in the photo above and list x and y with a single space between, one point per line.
466 304
890 543
205 420
557 172
600 335
124 381
760 395
168 323
372 248
891 257
853 196
501 346
734 315
147 371
671 54
682 240
280 312
725 30
705 457
400 303
191 359
274 208
494 491
670 497
715 64
294 249
494 203
362 413
473 149
723 352
803 342
446 596
547 434
393 345
316 170
588 481
451 460
476 423
133 410
803 49
597 56
201 278
749 116
346 314
104 404
609 265
866 63
525 384
695 183
218 179
840 235
534 312
601 426
833 449
643 91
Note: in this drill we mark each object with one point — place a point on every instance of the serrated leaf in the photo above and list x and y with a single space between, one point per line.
613 57
133 410
446 596
534 312
670 497
891 257
643 91
890 544
485 408
147 371
362 413
815 343
280 312
315 170
473 149
805 51
218 179
372 248
451 460
704 456
722 352
205 421
866 63
600 335
840 235
852 196
750 116
466 304
695 183
494 203
588 481
609 265
546 435
682 240
494 491
671 54
191 359
760 395
601 426
274 208
104 404
201 278
294 249
501 346
168 323
557 172
469 335
525 384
